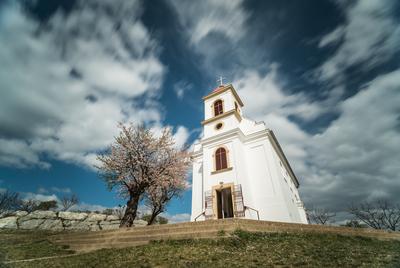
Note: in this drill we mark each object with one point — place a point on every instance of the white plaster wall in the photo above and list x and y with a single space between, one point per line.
197 188
210 179
229 122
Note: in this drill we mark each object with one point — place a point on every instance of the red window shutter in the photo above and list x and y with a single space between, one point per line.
218 109
218 162
224 163
220 159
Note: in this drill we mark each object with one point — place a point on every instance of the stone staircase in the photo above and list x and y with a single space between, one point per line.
128 237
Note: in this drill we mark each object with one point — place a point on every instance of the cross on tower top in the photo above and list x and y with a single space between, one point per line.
220 80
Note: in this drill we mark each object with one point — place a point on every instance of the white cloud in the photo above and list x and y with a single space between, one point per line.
67 85
40 197
202 18
357 155
215 30
88 207
181 88
18 153
175 218
42 190
181 136
266 96
370 35
65 190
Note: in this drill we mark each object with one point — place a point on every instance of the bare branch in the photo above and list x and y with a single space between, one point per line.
320 216
69 201
378 215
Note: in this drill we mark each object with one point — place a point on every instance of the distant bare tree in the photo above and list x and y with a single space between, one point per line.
378 215
69 201
320 216
29 205
8 201
47 205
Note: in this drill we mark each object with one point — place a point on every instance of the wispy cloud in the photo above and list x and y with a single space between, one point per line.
181 88
94 63
369 36
65 190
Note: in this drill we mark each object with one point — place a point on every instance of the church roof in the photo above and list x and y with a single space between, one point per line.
219 88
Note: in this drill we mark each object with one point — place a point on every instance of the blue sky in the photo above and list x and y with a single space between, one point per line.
323 75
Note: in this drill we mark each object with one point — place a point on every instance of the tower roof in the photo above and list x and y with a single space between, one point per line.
222 88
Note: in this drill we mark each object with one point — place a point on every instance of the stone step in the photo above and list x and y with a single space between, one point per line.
120 243
138 230
141 235
138 236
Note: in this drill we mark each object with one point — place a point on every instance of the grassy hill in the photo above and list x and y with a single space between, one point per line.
238 250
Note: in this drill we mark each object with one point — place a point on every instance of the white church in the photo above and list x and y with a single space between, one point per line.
239 168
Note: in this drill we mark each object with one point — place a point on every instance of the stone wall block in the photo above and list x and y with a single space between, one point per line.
53 225
96 217
30 224
66 215
9 223
41 214
76 225
112 218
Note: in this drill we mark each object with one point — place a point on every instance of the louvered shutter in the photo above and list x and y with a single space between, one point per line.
238 199
208 200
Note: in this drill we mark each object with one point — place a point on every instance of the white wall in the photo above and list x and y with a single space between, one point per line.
255 166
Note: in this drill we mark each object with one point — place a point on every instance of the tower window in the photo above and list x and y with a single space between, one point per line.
221 161
218 109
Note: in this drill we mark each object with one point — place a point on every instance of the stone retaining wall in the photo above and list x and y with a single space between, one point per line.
59 221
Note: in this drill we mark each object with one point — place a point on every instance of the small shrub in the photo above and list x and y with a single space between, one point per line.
221 233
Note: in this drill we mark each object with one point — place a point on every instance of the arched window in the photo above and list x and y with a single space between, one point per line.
221 161
218 109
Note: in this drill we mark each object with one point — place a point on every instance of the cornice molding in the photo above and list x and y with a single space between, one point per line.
228 113
226 88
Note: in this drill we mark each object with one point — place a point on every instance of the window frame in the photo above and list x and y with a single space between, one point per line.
218 159
221 111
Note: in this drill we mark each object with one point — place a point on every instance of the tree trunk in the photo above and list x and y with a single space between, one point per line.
154 215
130 212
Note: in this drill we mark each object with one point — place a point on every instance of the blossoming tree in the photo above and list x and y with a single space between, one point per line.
140 162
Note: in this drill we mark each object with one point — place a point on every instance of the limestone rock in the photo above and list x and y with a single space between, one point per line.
94 227
30 224
76 225
112 218
73 216
53 225
41 214
109 225
21 213
139 223
96 217
9 223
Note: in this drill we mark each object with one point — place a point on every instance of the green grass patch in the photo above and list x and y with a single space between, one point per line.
19 245
241 249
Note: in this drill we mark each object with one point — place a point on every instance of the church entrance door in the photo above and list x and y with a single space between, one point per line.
224 203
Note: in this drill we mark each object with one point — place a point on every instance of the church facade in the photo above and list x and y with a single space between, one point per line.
239 168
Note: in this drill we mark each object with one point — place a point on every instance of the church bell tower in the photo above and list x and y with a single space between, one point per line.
239 169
